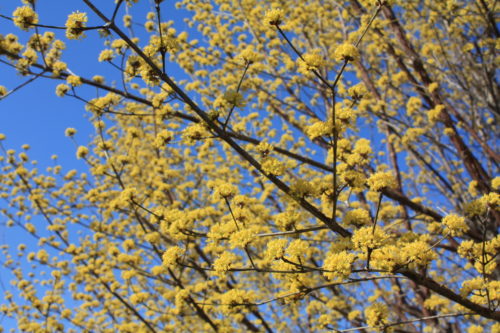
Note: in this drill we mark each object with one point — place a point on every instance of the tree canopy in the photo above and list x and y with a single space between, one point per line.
278 166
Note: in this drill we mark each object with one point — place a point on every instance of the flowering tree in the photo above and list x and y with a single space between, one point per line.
284 166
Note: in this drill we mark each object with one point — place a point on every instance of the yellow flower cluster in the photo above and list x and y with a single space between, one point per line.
234 98
318 129
288 219
241 238
387 258
346 52
273 166
381 180
195 132
170 257
367 237
70 132
62 89
413 106
225 262
274 17
162 138
25 17
82 152
311 61
357 217
357 91
223 190
340 265
297 248
455 225
275 249
249 55
233 300
74 80
106 55
418 253
75 25
376 314
434 114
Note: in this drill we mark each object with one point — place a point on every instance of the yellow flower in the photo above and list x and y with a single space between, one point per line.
171 256
455 225
418 252
318 129
297 248
3 91
25 17
58 67
74 80
357 217
381 180
225 262
162 138
75 25
82 152
241 238
274 17
275 249
234 297
340 263
249 55
225 190
434 114
234 98
311 61
127 21
433 87
70 131
376 314
106 55
98 79
358 91
495 183
346 52
272 166
366 237
62 89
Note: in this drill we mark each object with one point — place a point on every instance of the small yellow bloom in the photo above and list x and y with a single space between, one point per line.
74 80
346 52
62 89
433 87
274 17
25 17
234 98
75 25
249 55
272 166
311 61
339 264
70 131
171 256
381 180
106 55
455 225
82 152
376 314
275 249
